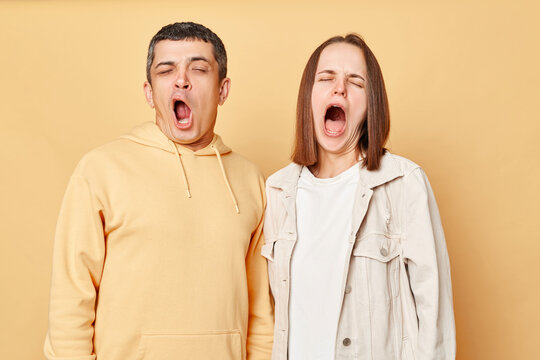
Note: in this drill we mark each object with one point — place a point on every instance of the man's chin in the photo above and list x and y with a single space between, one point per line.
185 137
192 140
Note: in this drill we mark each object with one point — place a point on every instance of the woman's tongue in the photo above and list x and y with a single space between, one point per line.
182 110
335 120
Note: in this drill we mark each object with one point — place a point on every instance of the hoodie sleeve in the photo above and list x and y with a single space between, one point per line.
78 256
429 270
261 314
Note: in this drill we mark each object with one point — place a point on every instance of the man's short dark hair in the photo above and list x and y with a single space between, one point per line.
189 31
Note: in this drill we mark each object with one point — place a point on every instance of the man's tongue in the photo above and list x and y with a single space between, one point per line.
182 110
335 120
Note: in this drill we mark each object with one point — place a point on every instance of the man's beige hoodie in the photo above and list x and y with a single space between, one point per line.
157 255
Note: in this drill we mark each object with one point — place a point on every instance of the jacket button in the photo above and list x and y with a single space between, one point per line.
348 289
346 342
384 252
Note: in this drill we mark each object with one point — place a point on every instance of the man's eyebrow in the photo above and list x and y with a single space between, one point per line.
165 63
198 58
191 59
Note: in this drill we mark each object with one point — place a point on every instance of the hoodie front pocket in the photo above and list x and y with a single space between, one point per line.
209 345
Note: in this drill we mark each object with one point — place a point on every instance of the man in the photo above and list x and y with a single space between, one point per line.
157 250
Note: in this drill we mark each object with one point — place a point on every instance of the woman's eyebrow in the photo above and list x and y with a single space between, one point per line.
356 76
331 72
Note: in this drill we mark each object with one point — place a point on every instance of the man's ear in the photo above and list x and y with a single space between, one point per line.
224 88
148 94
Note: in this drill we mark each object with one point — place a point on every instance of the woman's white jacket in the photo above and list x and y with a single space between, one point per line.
396 288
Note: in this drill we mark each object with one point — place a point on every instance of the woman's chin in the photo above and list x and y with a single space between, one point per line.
334 148
336 145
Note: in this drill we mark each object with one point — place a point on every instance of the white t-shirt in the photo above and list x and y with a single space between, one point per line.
324 216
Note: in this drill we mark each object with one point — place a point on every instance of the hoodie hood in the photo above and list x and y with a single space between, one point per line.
149 134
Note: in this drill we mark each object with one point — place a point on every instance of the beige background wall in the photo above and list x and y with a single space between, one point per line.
463 82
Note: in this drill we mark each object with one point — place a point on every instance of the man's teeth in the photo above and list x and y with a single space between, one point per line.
183 121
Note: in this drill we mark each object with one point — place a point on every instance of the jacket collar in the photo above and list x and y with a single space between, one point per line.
388 170
287 178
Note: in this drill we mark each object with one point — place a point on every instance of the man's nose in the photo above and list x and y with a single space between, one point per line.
182 82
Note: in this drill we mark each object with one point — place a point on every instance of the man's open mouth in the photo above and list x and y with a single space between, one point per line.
334 120
183 114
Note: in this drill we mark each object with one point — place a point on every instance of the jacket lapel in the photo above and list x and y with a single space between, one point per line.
287 182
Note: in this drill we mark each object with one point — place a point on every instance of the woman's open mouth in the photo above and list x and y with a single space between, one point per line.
183 115
334 121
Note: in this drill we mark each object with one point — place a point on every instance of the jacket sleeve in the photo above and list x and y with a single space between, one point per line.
261 313
428 270
78 256
270 237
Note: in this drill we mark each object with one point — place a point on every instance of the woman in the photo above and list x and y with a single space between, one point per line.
357 259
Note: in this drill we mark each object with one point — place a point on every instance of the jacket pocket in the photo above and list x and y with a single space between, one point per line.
375 259
208 345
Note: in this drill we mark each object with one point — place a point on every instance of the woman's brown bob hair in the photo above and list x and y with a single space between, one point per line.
373 129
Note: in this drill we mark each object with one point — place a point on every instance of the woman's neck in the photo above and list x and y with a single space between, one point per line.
330 165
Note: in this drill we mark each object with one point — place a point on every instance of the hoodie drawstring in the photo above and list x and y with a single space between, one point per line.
226 179
183 171
181 166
